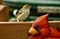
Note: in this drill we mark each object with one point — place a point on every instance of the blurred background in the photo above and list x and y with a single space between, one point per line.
35 11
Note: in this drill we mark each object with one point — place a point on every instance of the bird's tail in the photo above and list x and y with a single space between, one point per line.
15 12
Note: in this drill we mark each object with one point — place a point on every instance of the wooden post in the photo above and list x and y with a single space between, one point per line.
4 13
1 1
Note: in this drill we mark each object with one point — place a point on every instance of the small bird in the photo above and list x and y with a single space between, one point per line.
22 14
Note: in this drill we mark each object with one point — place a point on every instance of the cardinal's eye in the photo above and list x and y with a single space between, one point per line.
37 28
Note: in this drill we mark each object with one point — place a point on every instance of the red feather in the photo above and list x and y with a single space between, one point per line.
42 23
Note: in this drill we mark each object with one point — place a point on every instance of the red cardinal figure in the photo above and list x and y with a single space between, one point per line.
40 29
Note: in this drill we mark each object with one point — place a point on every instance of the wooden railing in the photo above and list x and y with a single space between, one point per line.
19 30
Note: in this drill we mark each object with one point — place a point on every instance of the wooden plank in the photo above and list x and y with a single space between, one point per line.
55 24
18 30
14 30
26 22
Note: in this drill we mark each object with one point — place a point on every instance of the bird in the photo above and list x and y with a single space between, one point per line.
39 28
22 13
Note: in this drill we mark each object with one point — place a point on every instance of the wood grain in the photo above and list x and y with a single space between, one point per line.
18 30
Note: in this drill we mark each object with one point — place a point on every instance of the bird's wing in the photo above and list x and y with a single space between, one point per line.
23 16
19 12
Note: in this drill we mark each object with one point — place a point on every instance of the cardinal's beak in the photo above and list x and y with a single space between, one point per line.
33 31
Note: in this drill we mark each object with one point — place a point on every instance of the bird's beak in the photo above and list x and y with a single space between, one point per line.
33 31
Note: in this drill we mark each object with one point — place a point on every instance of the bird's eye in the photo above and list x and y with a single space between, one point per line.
37 28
